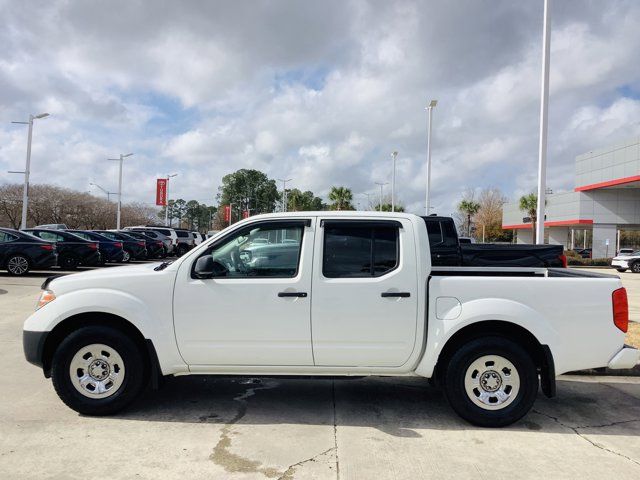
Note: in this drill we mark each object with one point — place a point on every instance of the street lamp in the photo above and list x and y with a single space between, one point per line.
166 207
284 192
544 105
393 183
105 191
25 191
381 184
430 108
121 159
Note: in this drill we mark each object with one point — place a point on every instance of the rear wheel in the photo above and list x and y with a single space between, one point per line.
97 370
18 265
621 269
491 382
635 267
126 256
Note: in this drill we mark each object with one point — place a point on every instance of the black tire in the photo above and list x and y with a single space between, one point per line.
68 262
134 370
128 256
635 267
621 269
461 402
18 265
181 250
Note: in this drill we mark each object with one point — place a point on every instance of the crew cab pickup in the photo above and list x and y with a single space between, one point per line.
327 294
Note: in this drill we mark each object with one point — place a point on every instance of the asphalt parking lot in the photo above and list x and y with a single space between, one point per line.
228 428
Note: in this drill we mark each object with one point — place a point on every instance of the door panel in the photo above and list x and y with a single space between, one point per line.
364 308
240 318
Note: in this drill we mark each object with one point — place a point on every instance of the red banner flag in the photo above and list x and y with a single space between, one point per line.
227 213
161 192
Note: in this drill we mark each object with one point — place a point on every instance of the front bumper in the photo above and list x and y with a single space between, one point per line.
620 264
627 357
33 346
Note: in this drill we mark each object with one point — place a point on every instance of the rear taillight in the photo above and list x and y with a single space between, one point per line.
563 259
118 244
93 246
47 247
620 309
159 243
142 244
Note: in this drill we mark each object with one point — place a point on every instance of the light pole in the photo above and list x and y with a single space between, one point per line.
544 105
381 184
25 191
430 108
166 207
121 159
393 183
284 192
105 191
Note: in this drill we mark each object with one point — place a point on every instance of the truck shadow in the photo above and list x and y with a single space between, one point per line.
400 407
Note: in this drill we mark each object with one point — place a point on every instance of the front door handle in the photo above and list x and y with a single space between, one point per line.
292 294
395 294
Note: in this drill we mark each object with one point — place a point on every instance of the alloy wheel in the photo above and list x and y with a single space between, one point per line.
18 265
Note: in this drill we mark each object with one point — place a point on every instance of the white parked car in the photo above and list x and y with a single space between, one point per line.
330 293
625 262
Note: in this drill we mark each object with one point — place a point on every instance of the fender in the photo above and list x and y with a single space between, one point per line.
154 327
439 332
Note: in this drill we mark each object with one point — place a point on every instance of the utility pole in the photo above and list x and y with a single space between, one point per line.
27 169
284 192
544 106
393 183
430 108
119 212
166 207
104 190
381 184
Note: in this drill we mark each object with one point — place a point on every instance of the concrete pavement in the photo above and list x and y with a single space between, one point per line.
233 428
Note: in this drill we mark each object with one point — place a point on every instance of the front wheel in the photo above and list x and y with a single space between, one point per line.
621 269
635 268
18 265
491 382
97 370
126 256
69 262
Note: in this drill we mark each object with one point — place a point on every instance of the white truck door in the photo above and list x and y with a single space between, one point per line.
364 308
256 309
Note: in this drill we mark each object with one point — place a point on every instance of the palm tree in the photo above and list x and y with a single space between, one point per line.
470 208
341 198
529 205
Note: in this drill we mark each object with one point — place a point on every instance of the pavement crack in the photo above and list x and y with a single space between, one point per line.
335 428
575 430
288 473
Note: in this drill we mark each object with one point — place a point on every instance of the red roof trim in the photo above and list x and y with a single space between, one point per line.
609 183
559 223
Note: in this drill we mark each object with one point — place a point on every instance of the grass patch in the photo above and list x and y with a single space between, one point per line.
633 334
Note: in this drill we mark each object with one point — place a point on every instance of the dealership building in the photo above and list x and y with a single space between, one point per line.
605 200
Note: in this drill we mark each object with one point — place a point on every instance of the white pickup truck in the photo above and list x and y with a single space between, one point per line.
327 293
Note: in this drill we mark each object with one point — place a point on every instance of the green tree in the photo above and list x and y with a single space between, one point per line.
341 198
469 208
529 205
298 201
386 207
250 190
177 209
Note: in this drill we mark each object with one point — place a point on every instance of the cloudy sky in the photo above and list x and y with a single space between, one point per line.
320 92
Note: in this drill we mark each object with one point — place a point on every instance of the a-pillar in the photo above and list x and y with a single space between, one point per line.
559 236
604 234
525 235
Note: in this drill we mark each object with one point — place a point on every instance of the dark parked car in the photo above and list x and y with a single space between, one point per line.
110 250
72 250
155 248
134 249
21 252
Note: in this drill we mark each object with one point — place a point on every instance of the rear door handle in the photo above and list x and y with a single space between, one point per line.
292 294
395 294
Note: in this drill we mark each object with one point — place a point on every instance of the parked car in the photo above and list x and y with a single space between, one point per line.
53 226
198 237
357 295
626 251
447 249
134 249
185 241
156 235
155 248
622 263
21 252
583 252
110 250
73 251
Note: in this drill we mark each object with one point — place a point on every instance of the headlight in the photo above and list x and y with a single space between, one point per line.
46 296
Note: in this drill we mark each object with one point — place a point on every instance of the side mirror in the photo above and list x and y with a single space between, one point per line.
207 268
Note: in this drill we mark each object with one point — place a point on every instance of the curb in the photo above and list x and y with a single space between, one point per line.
625 372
